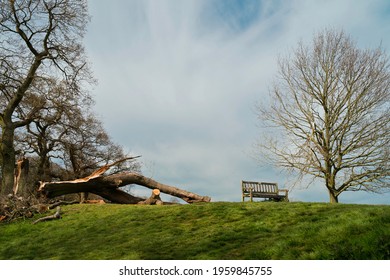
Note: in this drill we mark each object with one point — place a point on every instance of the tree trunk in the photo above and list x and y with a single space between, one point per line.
8 160
333 197
44 166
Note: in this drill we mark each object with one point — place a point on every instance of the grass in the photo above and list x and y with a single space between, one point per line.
210 231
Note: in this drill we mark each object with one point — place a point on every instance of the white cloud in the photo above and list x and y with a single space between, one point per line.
178 85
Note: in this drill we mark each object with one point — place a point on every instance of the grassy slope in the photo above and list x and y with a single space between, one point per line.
204 231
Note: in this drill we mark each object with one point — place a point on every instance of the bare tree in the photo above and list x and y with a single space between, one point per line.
67 135
86 146
39 40
330 115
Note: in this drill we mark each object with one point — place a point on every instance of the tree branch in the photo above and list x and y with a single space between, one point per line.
57 215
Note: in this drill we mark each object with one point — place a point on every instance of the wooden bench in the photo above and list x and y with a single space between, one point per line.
263 190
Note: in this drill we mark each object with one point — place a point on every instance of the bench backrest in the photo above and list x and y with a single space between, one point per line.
259 187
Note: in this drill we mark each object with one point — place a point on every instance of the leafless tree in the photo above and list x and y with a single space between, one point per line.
329 115
67 136
86 146
43 135
39 40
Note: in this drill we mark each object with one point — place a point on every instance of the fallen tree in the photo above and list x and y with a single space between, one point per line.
108 187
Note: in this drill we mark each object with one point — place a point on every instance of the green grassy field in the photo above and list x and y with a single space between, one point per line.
219 230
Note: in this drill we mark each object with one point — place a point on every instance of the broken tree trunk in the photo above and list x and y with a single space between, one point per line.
21 173
108 187
153 199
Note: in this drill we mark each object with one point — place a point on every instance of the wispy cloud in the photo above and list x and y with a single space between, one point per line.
178 80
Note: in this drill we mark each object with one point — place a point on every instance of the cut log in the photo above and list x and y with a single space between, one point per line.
108 187
154 199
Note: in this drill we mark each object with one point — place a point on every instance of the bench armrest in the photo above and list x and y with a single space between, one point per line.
285 192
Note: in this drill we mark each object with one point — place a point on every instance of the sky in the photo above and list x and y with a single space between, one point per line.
178 82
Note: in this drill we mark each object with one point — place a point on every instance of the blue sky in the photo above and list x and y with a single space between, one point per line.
178 82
